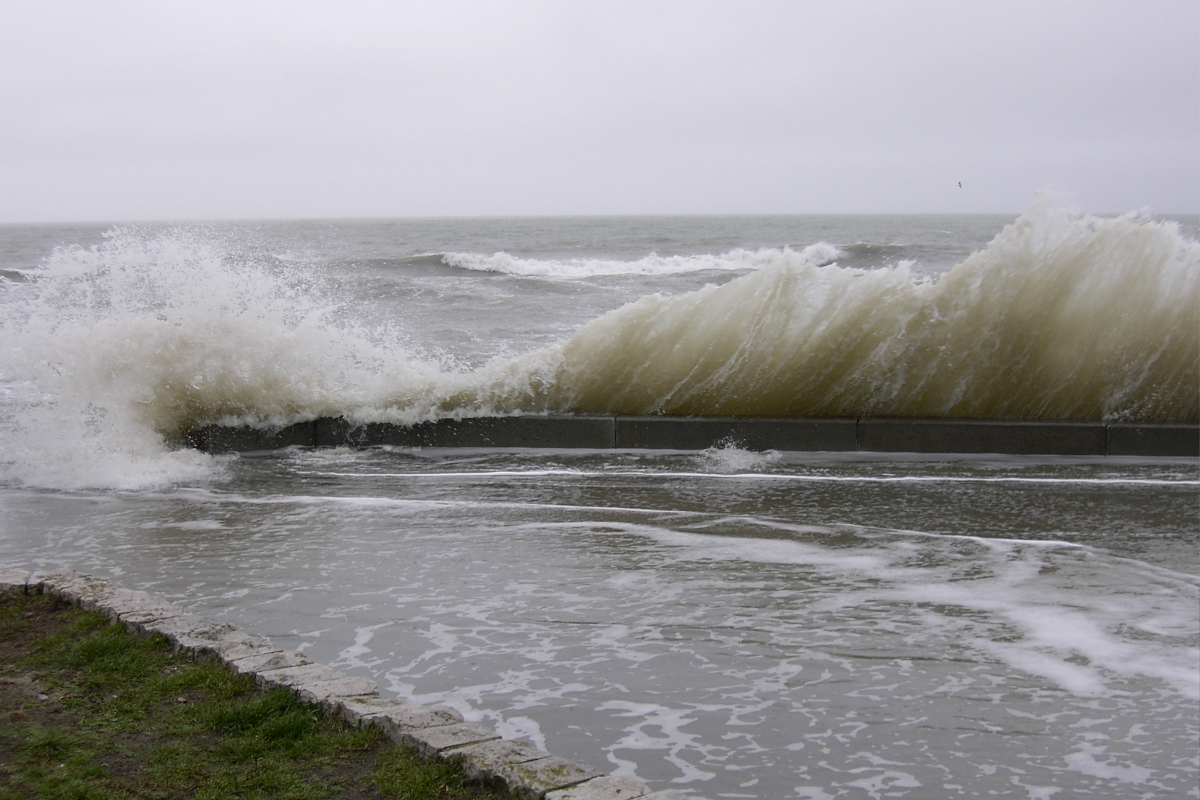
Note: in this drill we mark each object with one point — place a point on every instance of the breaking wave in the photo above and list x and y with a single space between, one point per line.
110 352
580 268
1060 317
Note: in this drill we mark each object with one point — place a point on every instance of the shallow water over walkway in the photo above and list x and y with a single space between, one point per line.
740 624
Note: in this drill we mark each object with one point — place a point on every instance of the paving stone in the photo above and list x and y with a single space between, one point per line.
608 787
135 607
243 645
432 741
223 641
394 712
326 693
120 600
52 578
530 780
84 591
484 759
360 711
13 581
419 716
298 676
95 595
268 660
194 633
152 613
186 631
175 625
69 585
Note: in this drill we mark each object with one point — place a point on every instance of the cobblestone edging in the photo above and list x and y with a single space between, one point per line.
434 731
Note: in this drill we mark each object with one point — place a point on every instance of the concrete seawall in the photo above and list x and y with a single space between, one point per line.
605 432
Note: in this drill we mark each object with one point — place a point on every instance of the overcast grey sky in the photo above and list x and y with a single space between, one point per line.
181 110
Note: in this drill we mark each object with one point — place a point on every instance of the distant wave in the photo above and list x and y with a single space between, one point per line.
423 263
423 260
580 268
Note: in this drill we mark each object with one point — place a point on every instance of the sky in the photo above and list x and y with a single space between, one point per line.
281 109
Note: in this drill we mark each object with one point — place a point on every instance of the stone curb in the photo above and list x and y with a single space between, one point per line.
435 731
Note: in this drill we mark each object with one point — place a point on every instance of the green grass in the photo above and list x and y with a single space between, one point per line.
91 711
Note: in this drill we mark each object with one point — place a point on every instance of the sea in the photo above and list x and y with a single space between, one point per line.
729 623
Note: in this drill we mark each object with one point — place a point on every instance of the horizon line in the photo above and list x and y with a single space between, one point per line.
632 215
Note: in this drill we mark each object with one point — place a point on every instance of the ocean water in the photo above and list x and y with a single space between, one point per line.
730 623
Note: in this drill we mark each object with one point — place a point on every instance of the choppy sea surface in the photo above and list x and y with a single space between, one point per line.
730 623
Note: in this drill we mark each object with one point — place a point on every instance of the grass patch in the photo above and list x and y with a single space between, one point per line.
88 710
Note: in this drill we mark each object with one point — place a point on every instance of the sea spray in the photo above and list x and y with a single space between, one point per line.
111 351
729 457
1061 317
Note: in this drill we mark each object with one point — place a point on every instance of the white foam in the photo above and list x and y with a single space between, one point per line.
1085 761
1072 630
671 738
193 525
580 268
120 345
728 457
357 655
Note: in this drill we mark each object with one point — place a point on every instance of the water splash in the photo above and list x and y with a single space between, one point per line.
1061 317
729 457
110 352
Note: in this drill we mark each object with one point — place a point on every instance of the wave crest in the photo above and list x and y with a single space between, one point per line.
1061 317
582 268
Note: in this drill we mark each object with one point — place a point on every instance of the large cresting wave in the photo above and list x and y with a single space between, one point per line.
1061 317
